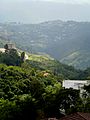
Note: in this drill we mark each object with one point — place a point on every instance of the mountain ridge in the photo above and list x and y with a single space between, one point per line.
59 39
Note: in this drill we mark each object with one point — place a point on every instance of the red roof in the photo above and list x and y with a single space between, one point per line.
77 116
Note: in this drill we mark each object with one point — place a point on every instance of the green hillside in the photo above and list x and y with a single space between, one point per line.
78 59
40 63
45 62
32 89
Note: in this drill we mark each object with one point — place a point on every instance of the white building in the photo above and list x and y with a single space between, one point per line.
75 84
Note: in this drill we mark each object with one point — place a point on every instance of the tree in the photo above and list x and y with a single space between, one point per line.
10 57
22 57
67 99
6 46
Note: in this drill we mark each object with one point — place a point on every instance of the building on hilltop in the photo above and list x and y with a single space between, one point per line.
9 46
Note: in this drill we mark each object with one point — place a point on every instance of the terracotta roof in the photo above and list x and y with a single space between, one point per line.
77 116
85 115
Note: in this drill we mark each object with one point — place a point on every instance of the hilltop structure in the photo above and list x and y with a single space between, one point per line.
9 46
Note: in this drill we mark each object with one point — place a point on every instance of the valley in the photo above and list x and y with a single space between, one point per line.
44 60
67 41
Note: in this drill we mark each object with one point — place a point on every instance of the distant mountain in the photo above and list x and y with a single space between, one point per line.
68 41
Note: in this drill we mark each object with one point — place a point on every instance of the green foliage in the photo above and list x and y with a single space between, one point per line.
22 91
34 90
10 57
21 109
28 93
57 68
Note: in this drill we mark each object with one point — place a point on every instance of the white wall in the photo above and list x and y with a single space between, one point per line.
75 84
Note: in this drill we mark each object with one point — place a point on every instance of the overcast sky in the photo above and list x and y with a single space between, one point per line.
62 1
69 1
34 11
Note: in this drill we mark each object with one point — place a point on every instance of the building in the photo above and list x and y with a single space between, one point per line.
9 46
75 84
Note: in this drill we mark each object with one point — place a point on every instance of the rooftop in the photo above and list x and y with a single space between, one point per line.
77 116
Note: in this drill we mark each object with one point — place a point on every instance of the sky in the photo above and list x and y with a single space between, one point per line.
60 1
36 11
70 1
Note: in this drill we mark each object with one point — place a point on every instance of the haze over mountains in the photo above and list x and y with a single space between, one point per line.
35 11
69 42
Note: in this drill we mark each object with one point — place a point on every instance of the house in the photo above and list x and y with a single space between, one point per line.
77 116
46 74
75 84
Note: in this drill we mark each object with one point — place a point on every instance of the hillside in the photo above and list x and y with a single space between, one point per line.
32 89
15 57
67 42
46 63
80 59
29 94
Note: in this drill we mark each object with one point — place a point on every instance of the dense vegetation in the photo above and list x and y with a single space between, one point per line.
28 94
41 62
33 91
10 57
